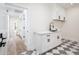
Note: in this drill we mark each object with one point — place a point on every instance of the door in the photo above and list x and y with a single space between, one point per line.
16 25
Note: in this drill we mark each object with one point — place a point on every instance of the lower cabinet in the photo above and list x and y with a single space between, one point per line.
46 41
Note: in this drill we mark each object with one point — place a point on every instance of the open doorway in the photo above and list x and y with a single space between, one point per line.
17 30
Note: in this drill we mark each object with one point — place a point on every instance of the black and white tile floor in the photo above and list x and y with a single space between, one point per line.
66 48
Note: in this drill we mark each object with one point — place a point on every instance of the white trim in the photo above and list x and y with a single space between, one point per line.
8 4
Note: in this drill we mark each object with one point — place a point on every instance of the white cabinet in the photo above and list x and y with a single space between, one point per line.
46 41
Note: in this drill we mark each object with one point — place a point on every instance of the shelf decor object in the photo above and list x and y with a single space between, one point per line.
59 19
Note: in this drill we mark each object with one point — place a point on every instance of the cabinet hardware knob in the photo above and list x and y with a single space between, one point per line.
58 37
48 40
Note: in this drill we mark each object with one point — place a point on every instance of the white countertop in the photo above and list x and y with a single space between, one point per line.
46 32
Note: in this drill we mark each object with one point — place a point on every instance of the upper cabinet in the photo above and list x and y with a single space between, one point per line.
58 13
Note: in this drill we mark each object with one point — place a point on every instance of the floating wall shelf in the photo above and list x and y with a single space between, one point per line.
58 20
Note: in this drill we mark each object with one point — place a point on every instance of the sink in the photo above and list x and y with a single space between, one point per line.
53 30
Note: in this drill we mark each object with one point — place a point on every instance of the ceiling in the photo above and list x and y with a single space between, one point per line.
65 5
68 5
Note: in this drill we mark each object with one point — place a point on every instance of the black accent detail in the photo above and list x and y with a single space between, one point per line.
2 44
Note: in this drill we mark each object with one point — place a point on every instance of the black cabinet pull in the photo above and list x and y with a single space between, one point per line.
48 40
58 37
48 35
2 43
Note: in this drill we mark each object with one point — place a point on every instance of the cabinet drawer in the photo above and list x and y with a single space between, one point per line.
47 39
47 36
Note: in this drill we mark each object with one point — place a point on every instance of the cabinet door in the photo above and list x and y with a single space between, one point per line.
47 42
37 43
56 40
44 44
59 37
50 42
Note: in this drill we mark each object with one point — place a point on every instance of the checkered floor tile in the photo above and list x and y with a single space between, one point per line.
67 48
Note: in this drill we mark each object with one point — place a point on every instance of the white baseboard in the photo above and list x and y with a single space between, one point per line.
71 38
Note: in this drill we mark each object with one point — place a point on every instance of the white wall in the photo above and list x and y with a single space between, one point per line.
71 28
40 17
58 10
42 14
3 22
